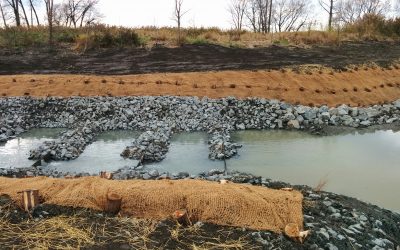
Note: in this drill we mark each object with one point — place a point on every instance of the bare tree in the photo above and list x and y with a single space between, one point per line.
14 5
350 11
237 9
179 12
3 13
32 5
50 19
328 6
77 13
291 15
25 16
259 14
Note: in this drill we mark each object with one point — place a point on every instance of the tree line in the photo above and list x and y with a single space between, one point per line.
293 15
261 16
70 13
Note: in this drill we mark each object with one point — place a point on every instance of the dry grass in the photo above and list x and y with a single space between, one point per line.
74 232
100 35
321 184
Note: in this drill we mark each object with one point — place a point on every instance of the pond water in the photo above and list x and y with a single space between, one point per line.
365 166
103 154
15 152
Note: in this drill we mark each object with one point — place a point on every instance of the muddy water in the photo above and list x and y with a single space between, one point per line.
365 166
15 152
103 154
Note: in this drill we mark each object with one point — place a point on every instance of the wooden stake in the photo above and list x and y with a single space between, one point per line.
30 199
106 175
182 217
113 203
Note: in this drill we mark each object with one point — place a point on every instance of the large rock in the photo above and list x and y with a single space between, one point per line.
293 124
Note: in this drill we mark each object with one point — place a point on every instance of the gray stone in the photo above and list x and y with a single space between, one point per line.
154 173
397 104
330 246
294 124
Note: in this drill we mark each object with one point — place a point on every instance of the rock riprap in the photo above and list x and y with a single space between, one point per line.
84 118
150 146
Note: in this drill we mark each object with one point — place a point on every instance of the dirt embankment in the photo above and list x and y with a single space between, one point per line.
365 86
191 58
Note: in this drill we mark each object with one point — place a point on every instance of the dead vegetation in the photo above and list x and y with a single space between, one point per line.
321 184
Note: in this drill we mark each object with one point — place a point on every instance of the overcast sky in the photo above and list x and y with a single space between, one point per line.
136 13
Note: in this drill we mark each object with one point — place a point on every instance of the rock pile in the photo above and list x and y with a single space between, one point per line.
150 146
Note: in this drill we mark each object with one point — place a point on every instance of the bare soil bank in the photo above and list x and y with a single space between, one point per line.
192 58
360 87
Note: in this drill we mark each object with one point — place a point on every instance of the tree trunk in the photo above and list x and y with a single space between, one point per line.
270 16
2 15
15 7
25 16
330 16
34 11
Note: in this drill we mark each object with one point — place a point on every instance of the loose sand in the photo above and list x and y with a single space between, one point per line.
362 87
231 204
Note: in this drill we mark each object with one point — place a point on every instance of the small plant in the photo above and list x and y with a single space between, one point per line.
14 80
321 185
104 81
355 89
158 82
333 92
283 70
195 86
311 104
4 94
382 85
302 89
232 85
178 83
26 94
121 82
317 91
32 80
86 81
345 90
367 90
390 85
51 81
214 86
